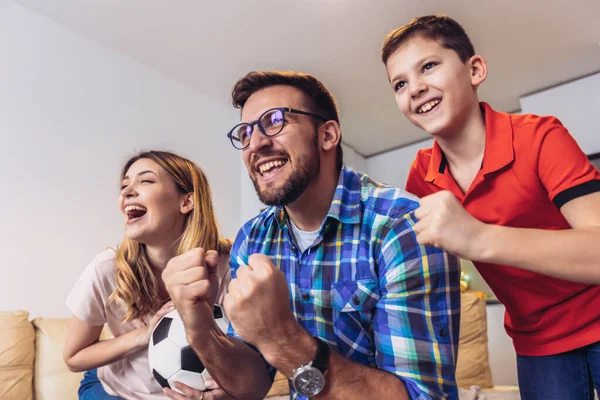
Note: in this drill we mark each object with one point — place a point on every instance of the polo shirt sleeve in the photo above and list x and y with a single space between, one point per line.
416 323
563 168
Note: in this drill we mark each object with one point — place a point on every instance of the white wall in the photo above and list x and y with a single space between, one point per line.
353 159
503 359
71 112
576 104
250 204
392 167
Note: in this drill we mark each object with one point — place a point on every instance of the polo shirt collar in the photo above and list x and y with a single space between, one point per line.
437 163
499 150
499 146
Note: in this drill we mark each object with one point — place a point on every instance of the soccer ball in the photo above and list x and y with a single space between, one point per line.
170 356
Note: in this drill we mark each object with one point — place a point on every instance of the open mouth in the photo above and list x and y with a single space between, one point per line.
134 213
427 107
271 167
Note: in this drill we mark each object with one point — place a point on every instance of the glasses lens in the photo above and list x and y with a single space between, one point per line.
272 122
240 136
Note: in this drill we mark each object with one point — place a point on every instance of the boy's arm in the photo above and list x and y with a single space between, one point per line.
571 254
572 183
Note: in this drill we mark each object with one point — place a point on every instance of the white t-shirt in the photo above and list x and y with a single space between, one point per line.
129 378
303 238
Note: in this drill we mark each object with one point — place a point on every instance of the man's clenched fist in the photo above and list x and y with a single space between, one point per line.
258 304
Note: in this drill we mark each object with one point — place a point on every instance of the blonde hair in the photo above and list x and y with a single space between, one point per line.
137 287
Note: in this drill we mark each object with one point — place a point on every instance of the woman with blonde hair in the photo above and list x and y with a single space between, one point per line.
166 202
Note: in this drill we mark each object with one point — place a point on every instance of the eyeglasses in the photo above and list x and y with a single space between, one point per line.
270 123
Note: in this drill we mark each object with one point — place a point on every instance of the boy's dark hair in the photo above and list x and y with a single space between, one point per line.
320 100
449 33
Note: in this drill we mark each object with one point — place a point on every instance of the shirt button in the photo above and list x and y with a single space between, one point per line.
293 248
305 296
443 332
355 300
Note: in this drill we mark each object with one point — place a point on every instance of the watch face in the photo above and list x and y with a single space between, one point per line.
309 382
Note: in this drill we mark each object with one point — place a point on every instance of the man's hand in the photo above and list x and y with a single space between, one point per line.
258 306
192 282
444 223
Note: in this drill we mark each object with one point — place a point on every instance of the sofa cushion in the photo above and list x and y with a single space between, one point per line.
280 386
17 351
52 378
473 365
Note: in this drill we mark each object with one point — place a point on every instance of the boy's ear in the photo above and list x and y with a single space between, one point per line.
332 134
478 69
187 203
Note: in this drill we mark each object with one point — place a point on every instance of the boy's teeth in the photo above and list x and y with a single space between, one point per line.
268 166
428 106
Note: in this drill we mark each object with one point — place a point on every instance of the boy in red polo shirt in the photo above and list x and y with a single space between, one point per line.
514 194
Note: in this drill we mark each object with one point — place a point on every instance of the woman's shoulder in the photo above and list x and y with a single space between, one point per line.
103 265
88 296
109 255
105 259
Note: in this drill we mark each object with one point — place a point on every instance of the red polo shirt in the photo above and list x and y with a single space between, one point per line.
531 167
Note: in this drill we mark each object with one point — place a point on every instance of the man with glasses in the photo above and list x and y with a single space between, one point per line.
330 285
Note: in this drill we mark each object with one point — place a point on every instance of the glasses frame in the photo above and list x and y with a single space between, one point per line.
262 130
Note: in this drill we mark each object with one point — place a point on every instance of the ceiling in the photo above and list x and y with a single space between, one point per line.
528 44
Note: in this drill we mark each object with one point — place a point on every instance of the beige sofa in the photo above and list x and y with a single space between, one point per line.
31 364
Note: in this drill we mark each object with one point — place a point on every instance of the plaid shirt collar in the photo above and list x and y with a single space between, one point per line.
345 206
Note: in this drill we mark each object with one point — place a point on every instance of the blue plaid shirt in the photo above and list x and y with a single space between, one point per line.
366 286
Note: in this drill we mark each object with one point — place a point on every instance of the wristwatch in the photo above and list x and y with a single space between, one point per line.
309 379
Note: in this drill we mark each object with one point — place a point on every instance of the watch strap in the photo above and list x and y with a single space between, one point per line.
321 361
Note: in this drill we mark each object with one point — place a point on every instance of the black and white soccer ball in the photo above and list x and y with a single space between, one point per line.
171 357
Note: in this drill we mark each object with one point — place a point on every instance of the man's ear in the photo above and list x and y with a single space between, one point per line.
331 135
478 69
187 203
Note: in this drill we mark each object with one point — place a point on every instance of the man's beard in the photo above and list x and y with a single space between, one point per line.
306 171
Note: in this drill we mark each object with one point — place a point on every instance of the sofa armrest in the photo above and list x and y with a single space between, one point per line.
17 351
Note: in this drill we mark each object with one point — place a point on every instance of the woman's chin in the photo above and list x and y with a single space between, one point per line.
136 234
